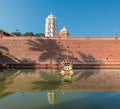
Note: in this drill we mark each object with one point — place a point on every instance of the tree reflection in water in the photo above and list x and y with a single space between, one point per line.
6 78
51 82
48 82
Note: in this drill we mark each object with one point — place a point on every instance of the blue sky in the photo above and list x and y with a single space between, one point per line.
81 17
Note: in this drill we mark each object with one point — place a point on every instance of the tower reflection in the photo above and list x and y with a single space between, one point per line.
52 97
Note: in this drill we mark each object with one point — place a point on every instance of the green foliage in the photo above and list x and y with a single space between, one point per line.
17 33
39 34
28 34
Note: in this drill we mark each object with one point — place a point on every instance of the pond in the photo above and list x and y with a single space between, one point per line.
48 89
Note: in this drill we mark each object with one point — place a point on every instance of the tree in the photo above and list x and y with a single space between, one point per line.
17 33
39 34
28 34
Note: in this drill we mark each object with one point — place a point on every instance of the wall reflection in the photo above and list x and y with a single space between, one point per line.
44 89
53 80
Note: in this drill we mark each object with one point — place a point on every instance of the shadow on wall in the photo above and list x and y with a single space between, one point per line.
27 61
5 58
89 59
93 63
51 50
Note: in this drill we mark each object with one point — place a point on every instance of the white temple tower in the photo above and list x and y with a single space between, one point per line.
51 27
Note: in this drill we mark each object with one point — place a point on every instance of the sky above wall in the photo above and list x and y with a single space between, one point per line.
81 17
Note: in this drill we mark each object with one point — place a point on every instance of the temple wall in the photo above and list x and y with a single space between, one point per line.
82 50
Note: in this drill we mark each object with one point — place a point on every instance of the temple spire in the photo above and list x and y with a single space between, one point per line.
51 29
51 13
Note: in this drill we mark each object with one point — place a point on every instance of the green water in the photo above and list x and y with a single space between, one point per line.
60 100
45 89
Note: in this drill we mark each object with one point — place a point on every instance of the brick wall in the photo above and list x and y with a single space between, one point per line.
83 50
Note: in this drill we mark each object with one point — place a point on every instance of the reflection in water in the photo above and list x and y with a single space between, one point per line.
41 80
48 81
40 88
23 94
67 71
67 75
67 78
52 97
4 74
52 80
71 100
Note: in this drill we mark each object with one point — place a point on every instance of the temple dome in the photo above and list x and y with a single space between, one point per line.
64 29
64 32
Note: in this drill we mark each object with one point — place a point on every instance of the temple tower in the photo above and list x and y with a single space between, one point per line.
51 27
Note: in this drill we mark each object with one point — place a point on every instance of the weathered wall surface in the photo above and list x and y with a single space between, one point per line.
83 50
